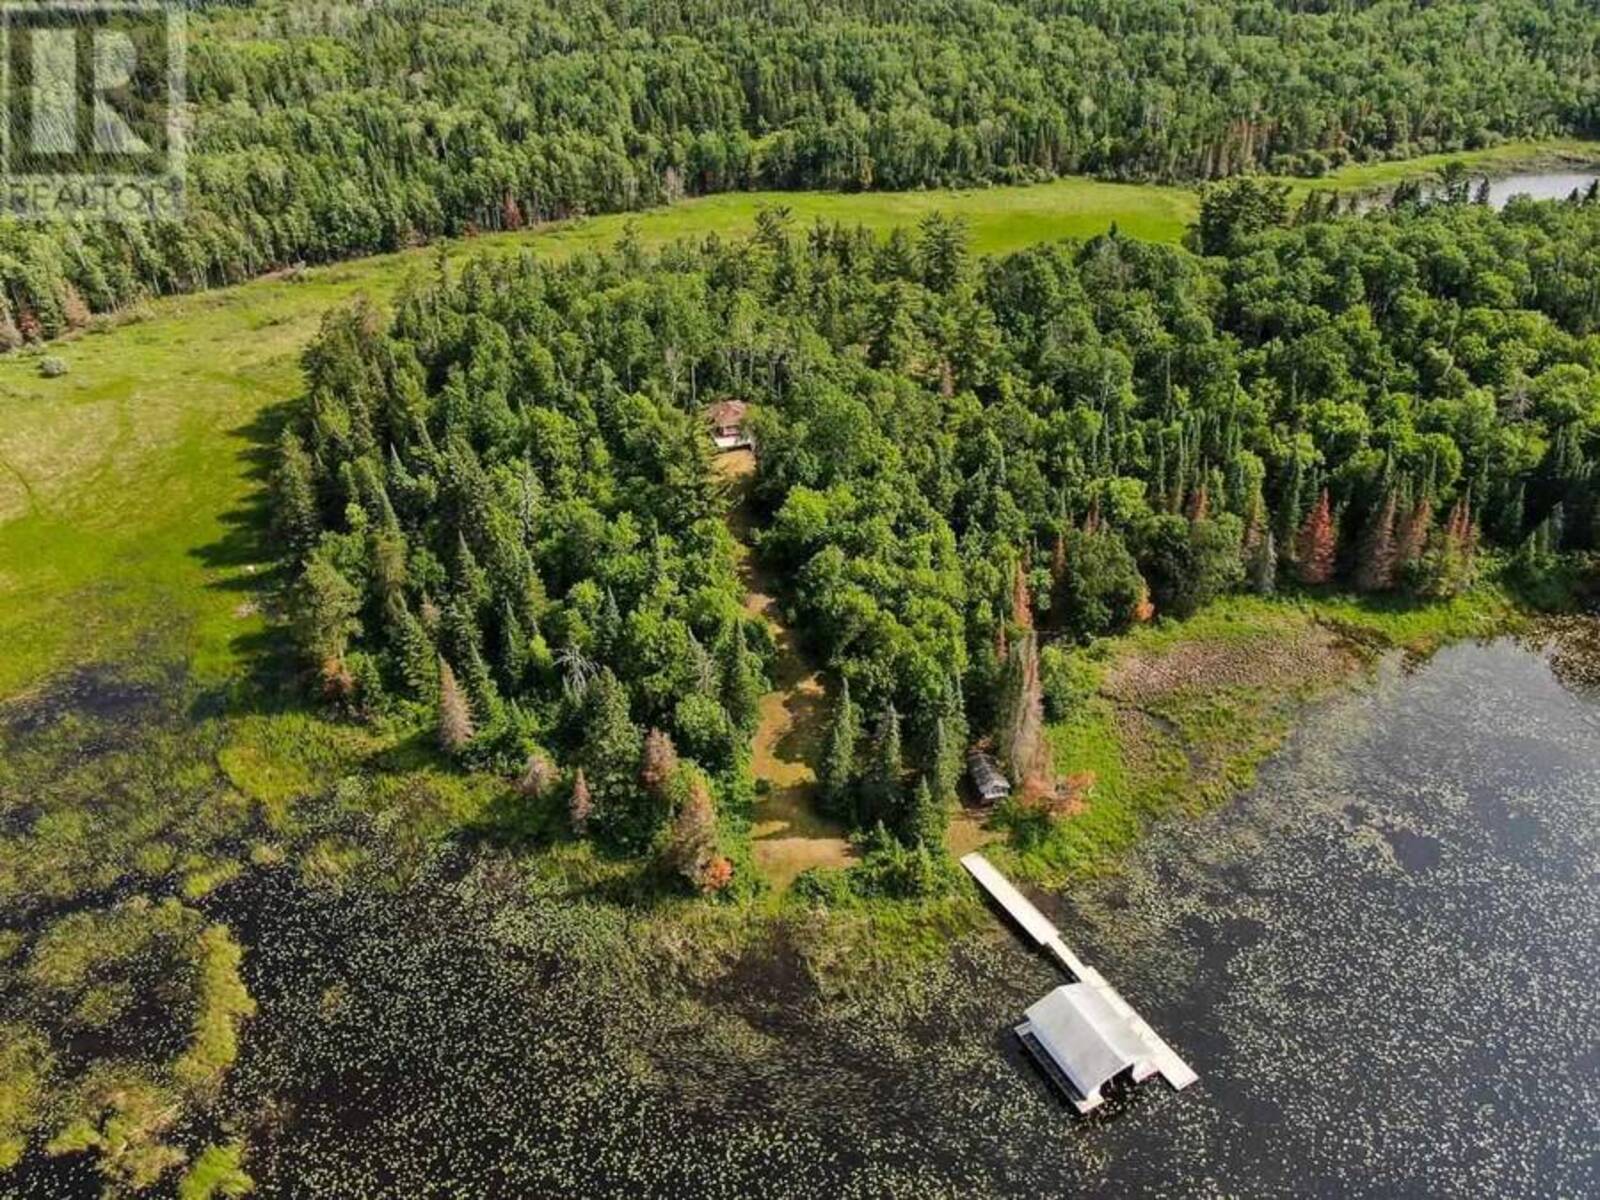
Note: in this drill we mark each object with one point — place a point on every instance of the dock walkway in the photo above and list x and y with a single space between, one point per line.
1161 1058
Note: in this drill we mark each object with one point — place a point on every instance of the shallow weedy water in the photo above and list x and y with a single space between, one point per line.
1381 962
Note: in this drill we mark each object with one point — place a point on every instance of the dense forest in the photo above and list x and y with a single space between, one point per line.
321 131
504 519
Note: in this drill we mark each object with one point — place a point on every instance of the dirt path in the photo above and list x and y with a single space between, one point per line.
788 833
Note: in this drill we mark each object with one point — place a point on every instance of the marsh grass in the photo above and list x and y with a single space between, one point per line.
1183 714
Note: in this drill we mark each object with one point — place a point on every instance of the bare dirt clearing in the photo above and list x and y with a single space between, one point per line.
788 834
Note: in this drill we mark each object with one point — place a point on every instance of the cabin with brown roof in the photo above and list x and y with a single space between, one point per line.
726 418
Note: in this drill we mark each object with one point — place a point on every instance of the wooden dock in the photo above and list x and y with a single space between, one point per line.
1161 1059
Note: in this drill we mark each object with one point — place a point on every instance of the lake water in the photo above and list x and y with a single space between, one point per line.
1541 185
1381 961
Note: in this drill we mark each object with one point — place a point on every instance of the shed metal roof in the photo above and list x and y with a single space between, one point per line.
987 777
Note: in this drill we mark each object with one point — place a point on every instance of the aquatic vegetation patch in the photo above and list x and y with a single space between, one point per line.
129 1020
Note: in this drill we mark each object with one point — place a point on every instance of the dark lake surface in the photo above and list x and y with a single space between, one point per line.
1382 961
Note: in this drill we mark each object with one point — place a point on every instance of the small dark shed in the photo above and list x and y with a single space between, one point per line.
988 781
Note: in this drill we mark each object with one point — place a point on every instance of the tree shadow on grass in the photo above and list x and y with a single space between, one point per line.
246 562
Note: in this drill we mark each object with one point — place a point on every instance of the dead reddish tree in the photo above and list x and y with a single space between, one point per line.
692 845
581 804
1022 717
658 764
1318 543
455 717
539 775
1021 606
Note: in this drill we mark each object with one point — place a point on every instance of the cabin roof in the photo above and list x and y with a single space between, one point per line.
727 413
1084 1036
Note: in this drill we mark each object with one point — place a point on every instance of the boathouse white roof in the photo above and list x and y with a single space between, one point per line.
1084 1037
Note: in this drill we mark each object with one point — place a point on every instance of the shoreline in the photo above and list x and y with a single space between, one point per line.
1183 717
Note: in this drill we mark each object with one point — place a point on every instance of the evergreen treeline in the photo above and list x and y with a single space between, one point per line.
329 130
502 503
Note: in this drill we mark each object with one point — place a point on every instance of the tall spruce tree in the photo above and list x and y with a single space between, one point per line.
836 779
882 793
927 818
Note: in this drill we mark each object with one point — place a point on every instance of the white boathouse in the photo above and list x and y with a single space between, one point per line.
1084 1034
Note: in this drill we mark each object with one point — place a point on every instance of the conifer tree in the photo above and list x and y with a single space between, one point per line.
455 716
927 818
1317 544
1375 571
612 746
462 641
1021 725
294 512
837 776
411 645
469 583
581 804
658 765
1290 508
608 627
1021 607
691 848
325 608
942 252
539 776
512 652
1508 524
1264 564
882 788
1058 561
741 679
944 764
1411 537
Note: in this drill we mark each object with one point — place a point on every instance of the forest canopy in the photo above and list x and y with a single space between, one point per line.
329 130
502 508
